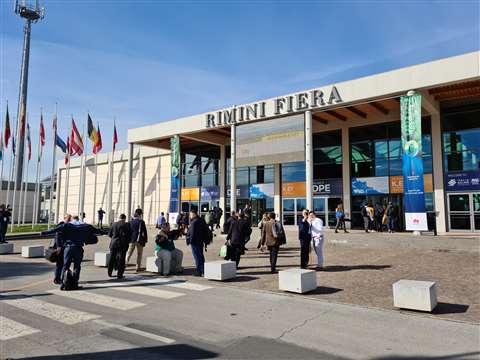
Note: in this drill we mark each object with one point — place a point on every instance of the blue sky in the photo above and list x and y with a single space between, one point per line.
148 61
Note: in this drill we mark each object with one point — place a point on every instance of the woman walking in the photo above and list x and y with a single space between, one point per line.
340 216
138 238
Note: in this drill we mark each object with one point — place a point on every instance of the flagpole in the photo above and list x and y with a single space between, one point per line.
95 189
81 195
36 200
2 132
25 193
24 180
52 182
67 175
12 170
110 180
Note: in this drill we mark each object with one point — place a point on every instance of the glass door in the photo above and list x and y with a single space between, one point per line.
464 211
320 208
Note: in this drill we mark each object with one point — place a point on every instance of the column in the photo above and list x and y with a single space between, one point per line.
141 182
130 181
438 187
309 158
346 181
277 194
233 170
221 181
59 184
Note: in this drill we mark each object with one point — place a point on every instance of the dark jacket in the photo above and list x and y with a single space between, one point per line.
239 231
120 233
304 231
197 232
138 231
227 224
68 234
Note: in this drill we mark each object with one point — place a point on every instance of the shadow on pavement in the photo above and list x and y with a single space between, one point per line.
242 278
9 269
335 268
175 351
461 356
324 290
449 308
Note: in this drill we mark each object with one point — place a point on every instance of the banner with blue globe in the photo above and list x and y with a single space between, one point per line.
175 176
412 162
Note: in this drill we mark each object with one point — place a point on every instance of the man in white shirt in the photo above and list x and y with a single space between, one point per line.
316 231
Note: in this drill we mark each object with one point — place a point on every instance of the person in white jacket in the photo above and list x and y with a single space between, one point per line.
316 230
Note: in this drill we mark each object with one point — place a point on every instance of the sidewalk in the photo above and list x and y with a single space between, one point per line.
360 268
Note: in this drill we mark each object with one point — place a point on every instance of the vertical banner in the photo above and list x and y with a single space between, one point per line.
412 162
175 175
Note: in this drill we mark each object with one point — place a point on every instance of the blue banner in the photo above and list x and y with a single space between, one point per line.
463 181
175 175
412 162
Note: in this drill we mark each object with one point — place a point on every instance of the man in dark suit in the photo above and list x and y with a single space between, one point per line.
196 237
237 236
120 233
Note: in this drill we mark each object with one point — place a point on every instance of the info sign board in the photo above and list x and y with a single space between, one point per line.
412 162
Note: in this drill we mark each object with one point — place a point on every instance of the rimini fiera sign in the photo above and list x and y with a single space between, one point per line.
302 101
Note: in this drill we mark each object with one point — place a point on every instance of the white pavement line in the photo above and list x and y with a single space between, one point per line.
189 286
98 299
52 311
136 332
164 282
10 329
148 291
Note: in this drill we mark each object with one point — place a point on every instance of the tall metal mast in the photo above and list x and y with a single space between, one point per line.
31 13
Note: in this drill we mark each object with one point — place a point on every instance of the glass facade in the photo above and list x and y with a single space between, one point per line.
376 150
198 171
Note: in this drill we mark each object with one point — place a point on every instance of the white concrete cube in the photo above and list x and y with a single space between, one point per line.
415 295
101 259
6 248
297 280
154 264
220 270
32 251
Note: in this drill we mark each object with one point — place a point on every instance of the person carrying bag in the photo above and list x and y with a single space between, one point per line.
138 238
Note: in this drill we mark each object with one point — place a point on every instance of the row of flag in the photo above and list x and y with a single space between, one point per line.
73 146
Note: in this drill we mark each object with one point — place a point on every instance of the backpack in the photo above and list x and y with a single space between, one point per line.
282 238
69 282
364 211
209 235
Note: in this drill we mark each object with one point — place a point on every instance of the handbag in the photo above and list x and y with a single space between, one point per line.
223 251
140 239
51 254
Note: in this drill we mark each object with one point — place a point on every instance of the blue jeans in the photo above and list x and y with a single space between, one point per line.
391 223
197 252
72 254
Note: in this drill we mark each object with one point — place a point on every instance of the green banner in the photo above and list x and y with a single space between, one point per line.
175 174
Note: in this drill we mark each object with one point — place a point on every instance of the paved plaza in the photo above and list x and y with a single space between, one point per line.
153 317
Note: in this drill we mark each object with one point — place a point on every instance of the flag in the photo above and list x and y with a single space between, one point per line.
7 128
42 131
60 143
76 142
115 137
67 152
92 132
98 145
29 143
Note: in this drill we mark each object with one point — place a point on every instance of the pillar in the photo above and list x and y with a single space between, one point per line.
277 194
233 170
130 181
309 158
59 184
346 181
438 187
221 181
141 182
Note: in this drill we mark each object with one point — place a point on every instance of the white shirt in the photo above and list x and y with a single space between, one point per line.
316 228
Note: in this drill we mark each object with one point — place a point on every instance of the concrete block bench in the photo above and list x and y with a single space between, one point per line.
101 259
220 270
6 248
154 264
32 251
415 295
297 280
